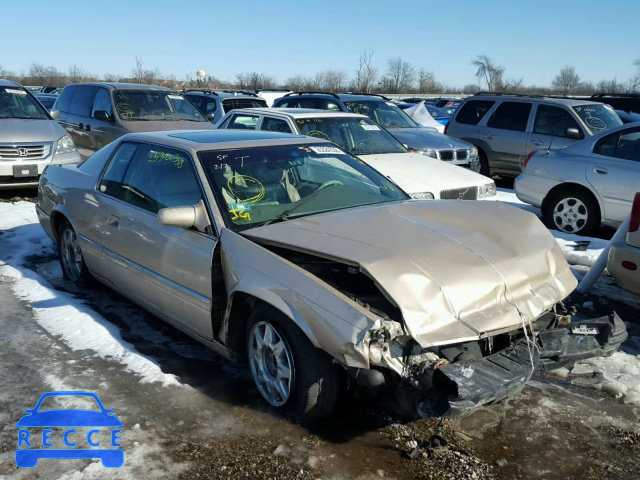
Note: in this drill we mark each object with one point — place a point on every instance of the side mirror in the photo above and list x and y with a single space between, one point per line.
185 217
210 116
55 114
573 133
102 116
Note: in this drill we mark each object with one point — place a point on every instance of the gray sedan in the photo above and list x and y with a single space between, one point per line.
289 254
586 184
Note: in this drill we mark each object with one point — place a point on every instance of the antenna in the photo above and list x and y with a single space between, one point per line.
554 133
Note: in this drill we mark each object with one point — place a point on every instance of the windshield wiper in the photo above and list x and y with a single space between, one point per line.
286 215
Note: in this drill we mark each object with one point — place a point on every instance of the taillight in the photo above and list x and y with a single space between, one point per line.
446 127
634 222
526 160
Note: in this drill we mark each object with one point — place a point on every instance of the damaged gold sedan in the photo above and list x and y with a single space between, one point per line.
293 256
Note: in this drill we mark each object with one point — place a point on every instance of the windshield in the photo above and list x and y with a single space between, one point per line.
15 102
386 114
598 117
359 136
154 105
263 184
437 113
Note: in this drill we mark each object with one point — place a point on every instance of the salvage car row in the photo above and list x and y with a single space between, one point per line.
302 243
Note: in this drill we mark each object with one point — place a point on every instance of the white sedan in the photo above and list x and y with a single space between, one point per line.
420 176
586 184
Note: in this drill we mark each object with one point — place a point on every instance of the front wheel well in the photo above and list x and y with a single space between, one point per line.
57 219
562 187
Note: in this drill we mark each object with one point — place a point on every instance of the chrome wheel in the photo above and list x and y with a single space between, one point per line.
271 363
71 255
570 215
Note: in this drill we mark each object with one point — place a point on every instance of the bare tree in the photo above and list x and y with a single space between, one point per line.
634 81
512 84
333 80
295 83
427 82
5 73
138 72
566 81
111 77
366 74
400 75
610 86
488 71
470 89
254 81
76 74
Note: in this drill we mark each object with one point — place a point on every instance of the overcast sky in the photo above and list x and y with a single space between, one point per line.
532 39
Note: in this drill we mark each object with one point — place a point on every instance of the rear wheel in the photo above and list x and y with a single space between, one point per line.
289 372
73 266
572 210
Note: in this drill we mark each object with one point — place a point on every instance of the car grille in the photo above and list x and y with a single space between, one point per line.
25 152
470 193
446 155
11 180
462 154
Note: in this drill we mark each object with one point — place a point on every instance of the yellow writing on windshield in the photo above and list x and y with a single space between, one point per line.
240 213
240 186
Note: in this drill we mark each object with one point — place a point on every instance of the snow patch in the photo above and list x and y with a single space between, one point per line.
618 375
60 313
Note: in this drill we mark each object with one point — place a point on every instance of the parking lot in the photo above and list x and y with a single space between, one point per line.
188 413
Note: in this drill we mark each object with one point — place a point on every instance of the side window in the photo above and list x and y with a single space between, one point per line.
625 145
160 177
275 125
511 116
473 111
82 100
243 122
114 173
208 105
327 105
64 100
629 145
102 102
553 121
283 104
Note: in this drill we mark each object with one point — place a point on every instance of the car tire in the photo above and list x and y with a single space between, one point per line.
313 387
572 210
72 262
484 164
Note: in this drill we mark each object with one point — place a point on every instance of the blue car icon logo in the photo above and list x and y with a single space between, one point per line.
28 452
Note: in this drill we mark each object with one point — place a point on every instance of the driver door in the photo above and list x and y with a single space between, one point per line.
166 268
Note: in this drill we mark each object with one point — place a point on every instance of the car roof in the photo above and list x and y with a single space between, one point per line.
200 140
124 86
8 83
347 97
296 112
535 98
223 95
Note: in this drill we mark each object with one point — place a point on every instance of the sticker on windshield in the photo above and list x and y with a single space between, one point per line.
15 92
370 127
391 104
239 206
327 150
175 97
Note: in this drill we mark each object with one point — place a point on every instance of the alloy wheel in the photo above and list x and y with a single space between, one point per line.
271 363
570 215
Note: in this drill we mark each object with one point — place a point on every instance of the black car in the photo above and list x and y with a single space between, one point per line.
215 104
627 102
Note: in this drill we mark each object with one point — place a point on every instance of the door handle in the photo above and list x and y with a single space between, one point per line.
80 126
600 170
114 220
537 142
88 128
490 136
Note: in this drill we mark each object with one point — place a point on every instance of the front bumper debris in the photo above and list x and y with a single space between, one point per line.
472 383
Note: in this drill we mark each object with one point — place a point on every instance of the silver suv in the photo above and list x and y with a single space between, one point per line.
506 127
30 139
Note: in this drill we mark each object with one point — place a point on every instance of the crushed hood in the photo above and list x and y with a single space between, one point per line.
416 173
19 130
457 270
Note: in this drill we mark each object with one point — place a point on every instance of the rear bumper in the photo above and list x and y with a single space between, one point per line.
532 189
473 383
627 279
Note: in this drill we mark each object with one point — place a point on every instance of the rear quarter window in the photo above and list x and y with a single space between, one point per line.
64 100
473 111
82 101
